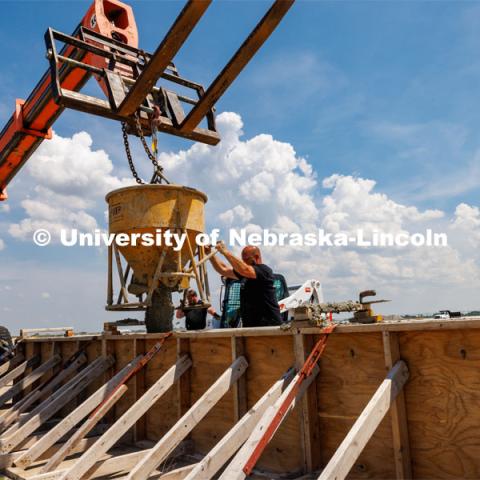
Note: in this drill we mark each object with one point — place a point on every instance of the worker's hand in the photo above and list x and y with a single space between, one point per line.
207 249
221 247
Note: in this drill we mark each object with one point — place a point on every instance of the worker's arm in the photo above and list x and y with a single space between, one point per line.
237 264
221 267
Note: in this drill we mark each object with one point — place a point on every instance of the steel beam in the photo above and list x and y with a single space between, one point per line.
176 36
237 63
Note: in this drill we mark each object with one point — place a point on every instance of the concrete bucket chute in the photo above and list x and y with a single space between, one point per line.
152 273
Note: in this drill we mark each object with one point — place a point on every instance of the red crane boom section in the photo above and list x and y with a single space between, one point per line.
33 118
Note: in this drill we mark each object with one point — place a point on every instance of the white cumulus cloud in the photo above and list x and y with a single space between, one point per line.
261 183
71 178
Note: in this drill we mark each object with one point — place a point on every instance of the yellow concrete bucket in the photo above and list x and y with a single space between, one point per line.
154 209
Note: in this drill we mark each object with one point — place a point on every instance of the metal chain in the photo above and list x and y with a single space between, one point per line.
158 170
129 155
158 175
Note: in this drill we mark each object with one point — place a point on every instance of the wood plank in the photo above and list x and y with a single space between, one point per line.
109 464
57 432
70 445
429 324
308 409
10 364
8 459
7 444
138 389
17 371
24 418
210 359
176 474
37 374
126 421
353 444
240 401
184 383
234 470
40 392
351 369
398 413
269 358
24 332
211 464
191 418
160 418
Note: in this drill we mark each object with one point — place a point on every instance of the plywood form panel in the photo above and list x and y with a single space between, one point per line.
124 354
269 358
93 351
351 369
210 359
163 415
443 402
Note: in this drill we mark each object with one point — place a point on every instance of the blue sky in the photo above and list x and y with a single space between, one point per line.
380 90
367 87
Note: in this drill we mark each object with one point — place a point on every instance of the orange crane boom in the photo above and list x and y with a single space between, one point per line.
33 118
105 46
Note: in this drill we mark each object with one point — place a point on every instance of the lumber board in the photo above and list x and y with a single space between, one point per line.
463 323
211 464
269 358
7 444
26 417
17 371
78 414
126 421
40 393
351 368
366 424
184 383
93 350
441 397
176 474
25 382
159 420
239 390
210 360
70 445
12 363
138 389
67 350
191 418
109 464
7 459
234 469
124 353
398 413
308 408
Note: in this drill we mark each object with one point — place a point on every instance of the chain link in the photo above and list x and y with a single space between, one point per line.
157 169
158 175
129 155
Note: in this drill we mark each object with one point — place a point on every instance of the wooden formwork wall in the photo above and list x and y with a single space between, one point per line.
441 398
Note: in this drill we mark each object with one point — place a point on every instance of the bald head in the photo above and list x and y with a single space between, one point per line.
251 255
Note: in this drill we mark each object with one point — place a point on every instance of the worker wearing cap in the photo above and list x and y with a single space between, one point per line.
258 303
195 318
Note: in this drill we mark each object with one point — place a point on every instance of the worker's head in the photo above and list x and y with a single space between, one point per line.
251 255
192 296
